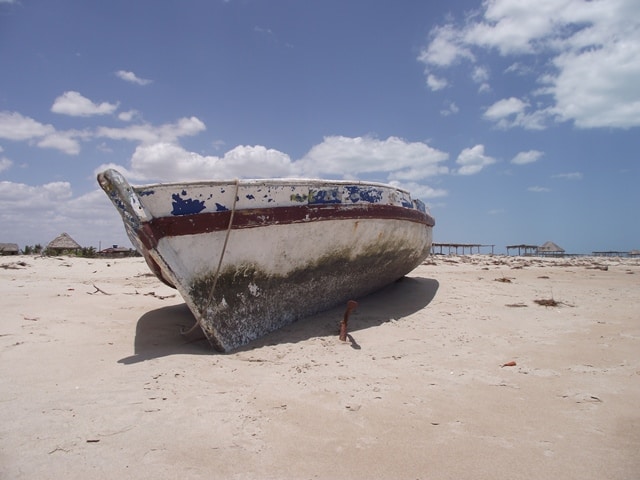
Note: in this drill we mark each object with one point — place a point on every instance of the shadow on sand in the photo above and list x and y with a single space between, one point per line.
158 331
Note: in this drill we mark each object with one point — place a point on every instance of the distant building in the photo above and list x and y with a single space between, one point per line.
116 251
63 243
550 249
9 249
523 249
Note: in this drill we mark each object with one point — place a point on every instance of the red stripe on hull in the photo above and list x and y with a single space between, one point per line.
175 226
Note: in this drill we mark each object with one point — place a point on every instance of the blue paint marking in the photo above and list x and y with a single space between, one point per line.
144 193
421 206
406 203
366 194
187 206
330 195
250 197
221 208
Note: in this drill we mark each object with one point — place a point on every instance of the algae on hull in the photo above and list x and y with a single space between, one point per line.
249 302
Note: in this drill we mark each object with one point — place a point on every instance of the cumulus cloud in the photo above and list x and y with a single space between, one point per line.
5 164
592 47
128 116
14 126
511 112
132 78
445 48
65 141
32 197
436 83
530 156
450 109
480 75
473 160
74 104
393 158
504 108
147 133
170 162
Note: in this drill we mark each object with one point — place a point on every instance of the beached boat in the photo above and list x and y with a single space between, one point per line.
250 256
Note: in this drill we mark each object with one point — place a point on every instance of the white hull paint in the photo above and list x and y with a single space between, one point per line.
243 276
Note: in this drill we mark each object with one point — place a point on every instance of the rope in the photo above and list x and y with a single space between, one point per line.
224 248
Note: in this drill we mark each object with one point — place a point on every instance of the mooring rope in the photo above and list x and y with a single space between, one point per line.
224 249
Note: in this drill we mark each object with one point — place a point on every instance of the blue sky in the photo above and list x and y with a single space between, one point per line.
516 122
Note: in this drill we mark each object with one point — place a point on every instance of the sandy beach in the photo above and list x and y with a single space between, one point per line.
455 372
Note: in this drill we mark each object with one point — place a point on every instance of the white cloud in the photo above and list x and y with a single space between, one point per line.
519 68
148 134
132 78
602 96
394 158
538 189
480 75
436 83
128 116
445 49
530 156
511 112
14 126
63 141
170 162
513 27
473 160
592 47
568 176
505 108
450 109
74 104
28 197
5 163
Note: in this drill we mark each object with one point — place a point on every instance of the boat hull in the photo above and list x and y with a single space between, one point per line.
246 268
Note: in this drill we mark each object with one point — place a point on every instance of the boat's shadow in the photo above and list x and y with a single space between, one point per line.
158 332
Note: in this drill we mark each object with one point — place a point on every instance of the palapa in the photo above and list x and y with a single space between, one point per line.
550 247
63 242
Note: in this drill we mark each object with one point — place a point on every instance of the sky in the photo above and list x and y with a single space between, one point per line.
516 122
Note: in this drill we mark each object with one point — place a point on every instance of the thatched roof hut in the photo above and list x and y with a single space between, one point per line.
9 249
63 242
550 248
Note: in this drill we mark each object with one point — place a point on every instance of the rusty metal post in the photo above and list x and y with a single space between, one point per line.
351 305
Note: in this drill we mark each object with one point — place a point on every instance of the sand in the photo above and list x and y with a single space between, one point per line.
98 382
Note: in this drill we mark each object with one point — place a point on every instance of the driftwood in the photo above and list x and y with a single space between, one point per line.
98 291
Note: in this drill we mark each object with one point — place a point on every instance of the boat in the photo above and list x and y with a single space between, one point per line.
251 256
